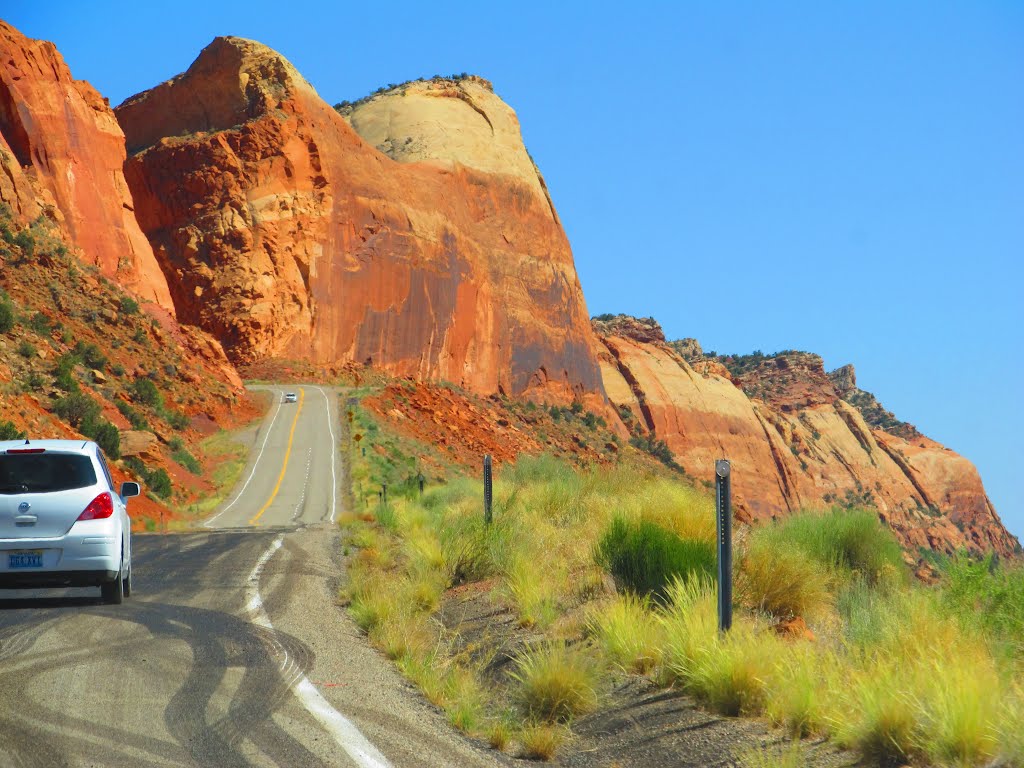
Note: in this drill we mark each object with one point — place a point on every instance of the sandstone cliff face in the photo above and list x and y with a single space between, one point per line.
794 442
286 235
61 155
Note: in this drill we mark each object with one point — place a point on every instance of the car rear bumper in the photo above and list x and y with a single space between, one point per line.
44 579
87 555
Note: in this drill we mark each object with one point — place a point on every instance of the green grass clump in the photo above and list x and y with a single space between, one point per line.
981 592
847 541
644 557
556 682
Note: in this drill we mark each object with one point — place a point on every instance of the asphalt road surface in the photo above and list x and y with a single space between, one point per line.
232 650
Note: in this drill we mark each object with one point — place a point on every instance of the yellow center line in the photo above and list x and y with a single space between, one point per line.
284 467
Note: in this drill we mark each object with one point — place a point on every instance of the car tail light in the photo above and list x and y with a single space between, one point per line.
99 508
26 450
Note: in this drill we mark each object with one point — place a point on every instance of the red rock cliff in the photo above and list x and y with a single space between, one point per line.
285 234
793 439
61 155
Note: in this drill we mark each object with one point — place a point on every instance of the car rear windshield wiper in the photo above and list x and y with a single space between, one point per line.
14 488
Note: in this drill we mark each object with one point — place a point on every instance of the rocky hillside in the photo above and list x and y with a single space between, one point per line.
286 234
797 437
88 342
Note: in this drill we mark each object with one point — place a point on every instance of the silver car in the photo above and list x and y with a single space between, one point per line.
62 524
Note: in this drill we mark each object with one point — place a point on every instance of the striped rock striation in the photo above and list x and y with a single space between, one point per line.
798 438
61 158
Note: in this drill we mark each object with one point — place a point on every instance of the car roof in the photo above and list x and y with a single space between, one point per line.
83 447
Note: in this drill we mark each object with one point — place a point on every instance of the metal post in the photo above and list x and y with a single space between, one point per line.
723 488
487 489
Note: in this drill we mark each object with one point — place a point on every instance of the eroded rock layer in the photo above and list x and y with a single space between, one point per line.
286 234
61 156
794 441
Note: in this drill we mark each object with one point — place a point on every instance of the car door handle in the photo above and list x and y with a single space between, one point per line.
26 519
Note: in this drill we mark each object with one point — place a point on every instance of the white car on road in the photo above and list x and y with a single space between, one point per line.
62 524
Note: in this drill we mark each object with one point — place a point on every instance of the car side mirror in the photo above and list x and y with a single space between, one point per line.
130 489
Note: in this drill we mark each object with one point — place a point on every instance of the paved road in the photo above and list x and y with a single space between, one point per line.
231 651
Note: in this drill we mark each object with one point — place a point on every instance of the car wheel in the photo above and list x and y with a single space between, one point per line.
112 592
126 582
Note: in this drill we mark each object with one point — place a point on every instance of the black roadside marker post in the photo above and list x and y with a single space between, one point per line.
487 489
723 488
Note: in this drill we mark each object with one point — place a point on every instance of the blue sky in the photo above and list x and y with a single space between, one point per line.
844 178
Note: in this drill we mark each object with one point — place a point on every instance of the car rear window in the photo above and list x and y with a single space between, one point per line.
44 472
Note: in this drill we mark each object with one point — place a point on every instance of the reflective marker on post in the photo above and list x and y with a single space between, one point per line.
487 489
723 489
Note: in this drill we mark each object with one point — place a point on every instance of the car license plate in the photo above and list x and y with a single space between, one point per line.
29 559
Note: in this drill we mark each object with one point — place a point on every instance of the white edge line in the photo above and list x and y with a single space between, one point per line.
344 731
238 495
334 454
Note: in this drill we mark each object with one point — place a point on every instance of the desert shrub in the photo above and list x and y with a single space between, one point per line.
644 557
40 323
129 306
64 373
75 408
135 418
177 419
187 460
7 316
91 355
104 433
157 481
33 382
26 348
145 391
657 448
555 682
10 432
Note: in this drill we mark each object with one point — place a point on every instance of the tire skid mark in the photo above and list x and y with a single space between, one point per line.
344 731
271 663
40 723
305 487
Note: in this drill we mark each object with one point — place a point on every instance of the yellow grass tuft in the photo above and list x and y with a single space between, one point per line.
556 682
542 742
628 632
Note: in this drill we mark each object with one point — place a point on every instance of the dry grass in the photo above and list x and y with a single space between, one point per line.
556 682
783 583
893 674
542 741
628 632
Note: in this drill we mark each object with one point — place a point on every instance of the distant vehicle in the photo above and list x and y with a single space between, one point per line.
291 397
62 524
